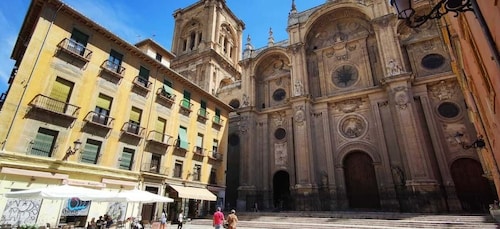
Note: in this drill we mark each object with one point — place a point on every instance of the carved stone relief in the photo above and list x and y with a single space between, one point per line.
401 97
280 154
299 115
444 90
279 118
349 106
352 126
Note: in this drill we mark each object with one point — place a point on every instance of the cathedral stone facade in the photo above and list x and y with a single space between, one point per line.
353 111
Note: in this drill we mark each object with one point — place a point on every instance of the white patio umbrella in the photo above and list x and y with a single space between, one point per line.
140 196
64 192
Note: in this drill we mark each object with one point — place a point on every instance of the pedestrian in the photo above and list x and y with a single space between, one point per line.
180 218
218 220
163 220
232 220
100 223
92 224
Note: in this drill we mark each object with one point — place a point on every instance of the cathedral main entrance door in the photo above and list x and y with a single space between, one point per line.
281 190
361 182
473 189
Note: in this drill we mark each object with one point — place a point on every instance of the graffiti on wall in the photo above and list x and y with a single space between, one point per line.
117 210
21 211
76 207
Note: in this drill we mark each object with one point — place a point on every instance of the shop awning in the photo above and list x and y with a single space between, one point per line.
194 193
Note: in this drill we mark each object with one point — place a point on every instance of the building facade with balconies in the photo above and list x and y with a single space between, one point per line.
139 123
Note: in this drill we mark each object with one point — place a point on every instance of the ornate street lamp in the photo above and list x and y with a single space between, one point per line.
406 11
70 151
478 143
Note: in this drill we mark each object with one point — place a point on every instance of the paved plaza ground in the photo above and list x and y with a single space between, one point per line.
352 220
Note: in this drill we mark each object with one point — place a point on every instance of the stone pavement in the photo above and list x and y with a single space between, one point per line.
351 220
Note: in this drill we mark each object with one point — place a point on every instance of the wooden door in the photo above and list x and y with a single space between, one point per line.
361 182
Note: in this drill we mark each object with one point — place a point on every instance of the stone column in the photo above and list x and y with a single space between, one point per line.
420 177
302 147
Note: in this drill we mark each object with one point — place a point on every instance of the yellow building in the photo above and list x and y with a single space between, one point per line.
87 108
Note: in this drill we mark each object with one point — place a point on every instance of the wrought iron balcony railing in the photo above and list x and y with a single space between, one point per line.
75 49
114 69
49 104
133 129
155 168
142 83
199 151
158 137
99 119
217 120
162 94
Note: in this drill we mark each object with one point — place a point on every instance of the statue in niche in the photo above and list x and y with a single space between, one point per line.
393 68
245 99
298 88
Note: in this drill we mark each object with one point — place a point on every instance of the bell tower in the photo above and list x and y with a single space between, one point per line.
207 44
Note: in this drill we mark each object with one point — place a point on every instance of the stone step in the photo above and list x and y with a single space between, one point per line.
382 220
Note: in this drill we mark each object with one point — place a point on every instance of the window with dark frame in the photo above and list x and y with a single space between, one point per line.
127 158
90 152
178 169
44 142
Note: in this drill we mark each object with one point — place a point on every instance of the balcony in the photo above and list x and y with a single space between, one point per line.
133 130
202 115
98 124
53 106
75 49
185 107
141 86
214 155
199 151
154 168
161 139
165 96
217 121
115 72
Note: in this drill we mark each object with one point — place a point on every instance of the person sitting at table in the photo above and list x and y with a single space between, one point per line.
100 223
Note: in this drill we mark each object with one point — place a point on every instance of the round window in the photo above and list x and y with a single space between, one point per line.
234 139
280 133
448 110
279 94
433 61
345 76
234 103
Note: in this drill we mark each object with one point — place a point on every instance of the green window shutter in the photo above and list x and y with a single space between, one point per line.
61 90
44 143
167 87
91 151
203 110
186 101
135 115
126 159
183 139
217 116
104 102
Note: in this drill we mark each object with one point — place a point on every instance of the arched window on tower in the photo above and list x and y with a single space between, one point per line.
192 40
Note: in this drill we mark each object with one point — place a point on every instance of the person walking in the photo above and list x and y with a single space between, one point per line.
218 220
180 218
163 220
232 220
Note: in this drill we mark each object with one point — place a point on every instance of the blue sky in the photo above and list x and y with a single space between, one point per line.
133 21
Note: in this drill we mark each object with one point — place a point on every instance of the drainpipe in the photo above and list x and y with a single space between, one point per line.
30 76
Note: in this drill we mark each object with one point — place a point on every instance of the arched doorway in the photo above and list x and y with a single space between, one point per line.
361 182
281 190
473 190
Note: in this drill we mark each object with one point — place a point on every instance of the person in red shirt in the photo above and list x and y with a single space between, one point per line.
218 221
